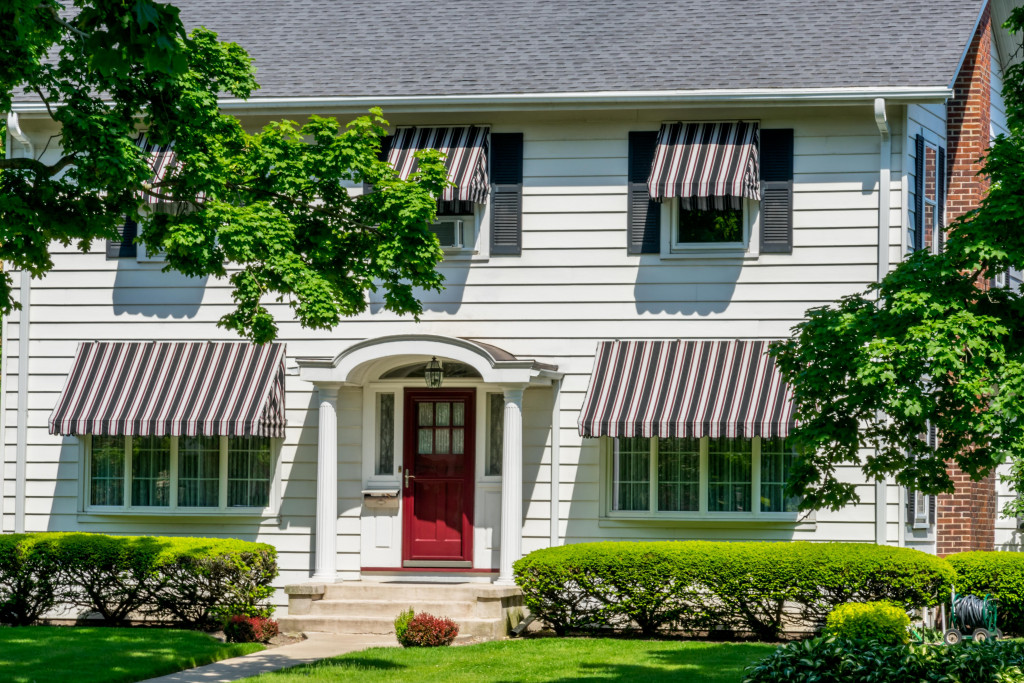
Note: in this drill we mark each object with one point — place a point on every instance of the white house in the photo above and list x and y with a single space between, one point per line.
648 193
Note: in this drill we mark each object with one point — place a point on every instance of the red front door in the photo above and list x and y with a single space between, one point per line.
438 478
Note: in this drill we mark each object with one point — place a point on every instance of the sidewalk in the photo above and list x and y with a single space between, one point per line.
316 646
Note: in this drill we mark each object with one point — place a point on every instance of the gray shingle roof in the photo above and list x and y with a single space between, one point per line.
331 48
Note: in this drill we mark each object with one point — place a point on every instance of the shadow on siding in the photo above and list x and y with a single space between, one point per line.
684 288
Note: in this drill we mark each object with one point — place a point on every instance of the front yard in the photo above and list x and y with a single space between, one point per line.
538 660
54 654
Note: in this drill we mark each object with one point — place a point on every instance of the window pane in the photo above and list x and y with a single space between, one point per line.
106 485
386 429
777 456
713 225
198 471
729 475
249 471
151 471
631 480
495 433
679 475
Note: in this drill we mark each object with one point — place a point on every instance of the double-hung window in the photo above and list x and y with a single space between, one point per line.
179 473
727 478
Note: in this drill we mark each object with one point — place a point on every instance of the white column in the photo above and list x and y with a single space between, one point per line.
325 560
511 485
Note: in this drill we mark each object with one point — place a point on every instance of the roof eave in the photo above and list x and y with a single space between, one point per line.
578 100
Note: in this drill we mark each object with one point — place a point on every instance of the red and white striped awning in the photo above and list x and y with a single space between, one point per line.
686 389
706 165
465 148
162 162
173 388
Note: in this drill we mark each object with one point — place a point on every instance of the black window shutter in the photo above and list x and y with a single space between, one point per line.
940 196
777 190
125 247
931 510
918 241
507 193
911 506
643 214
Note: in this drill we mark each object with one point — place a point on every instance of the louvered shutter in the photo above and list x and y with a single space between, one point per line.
506 193
125 247
643 215
918 234
940 197
777 190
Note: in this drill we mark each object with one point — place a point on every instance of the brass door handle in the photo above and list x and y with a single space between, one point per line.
408 477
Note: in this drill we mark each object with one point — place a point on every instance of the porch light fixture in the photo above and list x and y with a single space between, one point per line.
434 374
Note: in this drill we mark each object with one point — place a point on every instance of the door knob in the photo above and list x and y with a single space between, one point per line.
408 477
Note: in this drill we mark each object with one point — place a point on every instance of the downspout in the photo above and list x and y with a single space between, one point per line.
556 462
24 317
884 189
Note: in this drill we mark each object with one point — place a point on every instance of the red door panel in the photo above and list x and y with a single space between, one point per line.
438 476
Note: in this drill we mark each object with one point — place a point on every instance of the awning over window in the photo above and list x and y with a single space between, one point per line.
161 161
173 388
687 389
707 165
466 150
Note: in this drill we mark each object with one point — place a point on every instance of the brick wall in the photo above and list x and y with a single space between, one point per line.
966 518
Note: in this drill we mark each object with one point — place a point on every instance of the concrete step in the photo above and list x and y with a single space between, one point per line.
405 591
453 609
477 628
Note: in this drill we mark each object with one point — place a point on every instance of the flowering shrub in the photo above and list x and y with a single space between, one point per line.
245 629
426 630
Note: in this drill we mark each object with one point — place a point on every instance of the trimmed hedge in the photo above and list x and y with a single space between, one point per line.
857 661
194 581
999 574
880 621
700 585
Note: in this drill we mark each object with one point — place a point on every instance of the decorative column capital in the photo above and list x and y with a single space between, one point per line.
514 395
327 391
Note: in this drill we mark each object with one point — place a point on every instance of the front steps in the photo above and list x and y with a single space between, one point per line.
482 610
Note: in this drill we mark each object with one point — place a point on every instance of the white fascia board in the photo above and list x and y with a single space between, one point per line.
603 100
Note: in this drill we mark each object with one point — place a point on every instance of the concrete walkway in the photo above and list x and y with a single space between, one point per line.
316 646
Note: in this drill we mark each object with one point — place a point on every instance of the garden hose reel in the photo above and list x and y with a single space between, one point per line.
972 618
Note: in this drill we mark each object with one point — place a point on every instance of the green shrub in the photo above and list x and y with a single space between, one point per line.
30 578
402 623
195 581
999 575
858 661
698 585
881 621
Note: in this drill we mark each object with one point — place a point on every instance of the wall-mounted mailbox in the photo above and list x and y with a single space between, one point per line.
380 498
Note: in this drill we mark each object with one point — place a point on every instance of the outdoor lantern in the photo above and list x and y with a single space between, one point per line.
434 373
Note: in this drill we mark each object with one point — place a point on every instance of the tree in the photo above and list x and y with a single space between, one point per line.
927 346
267 209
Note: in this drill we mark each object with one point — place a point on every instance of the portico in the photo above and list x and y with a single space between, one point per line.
428 453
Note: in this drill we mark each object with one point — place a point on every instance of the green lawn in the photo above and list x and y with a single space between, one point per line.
55 654
538 660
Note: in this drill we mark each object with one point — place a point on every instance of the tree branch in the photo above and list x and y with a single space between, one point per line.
45 170
56 17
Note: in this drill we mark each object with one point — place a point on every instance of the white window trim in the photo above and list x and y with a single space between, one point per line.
478 246
172 510
702 514
922 511
748 249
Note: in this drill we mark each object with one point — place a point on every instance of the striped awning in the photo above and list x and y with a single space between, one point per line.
706 165
686 389
465 148
173 388
162 162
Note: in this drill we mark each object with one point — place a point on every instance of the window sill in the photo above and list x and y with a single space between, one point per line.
103 515
736 254
777 521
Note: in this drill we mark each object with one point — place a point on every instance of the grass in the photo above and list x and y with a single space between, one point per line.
52 654
539 660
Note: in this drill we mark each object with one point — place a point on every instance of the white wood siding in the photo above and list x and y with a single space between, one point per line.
573 286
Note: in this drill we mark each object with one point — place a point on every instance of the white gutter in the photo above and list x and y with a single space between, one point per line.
556 461
14 128
884 191
555 100
4 350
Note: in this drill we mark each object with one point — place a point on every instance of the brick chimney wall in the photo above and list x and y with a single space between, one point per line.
966 518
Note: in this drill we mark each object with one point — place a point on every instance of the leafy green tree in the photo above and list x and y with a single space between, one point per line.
266 209
926 346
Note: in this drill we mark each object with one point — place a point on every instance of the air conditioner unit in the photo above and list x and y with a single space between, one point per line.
450 232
